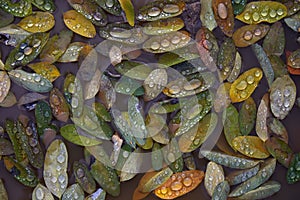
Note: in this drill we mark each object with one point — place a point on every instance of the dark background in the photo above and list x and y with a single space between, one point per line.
17 191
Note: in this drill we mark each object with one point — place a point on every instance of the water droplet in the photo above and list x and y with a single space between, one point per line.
248 35
164 190
250 79
153 12
171 157
171 8
247 16
174 89
255 16
165 43
242 85
176 186
187 182
39 194
222 11
272 13
19 56
155 46
279 12
37 79
60 159
27 51
257 32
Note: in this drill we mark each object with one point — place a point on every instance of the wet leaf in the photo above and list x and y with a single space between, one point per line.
282 96
20 8
247 116
101 112
136 119
72 52
189 85
226 58
279 150
124 127
11 129
245 84
56 46
207 15
70 133
93 126
155 83
107 92
41 192
263 113
90 10
98 195
106 177
293 59
5 85
208 48
20 172
177 186
262 11
45 5
123 32
181 55
192 140
167 42
235 72
163 26
264 191
249 34
30 81
128 8
223 13
160 9
26 51
237 177
110 6
172 156
231 124
293 22
221 191
202 108
251 146
279 67
153 180
265 172
73 192
132 166
274 43
228 161
222 100
55 168
77 23
37 22
59 105
43 115
92 86
157 128
29 138
157 157
292 7
74 94
12 35
293 173
213 176
277 128
46 70
135 70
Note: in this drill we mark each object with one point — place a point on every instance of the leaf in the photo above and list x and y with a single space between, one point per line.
128 8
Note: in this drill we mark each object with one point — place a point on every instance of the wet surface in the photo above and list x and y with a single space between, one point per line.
16 191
